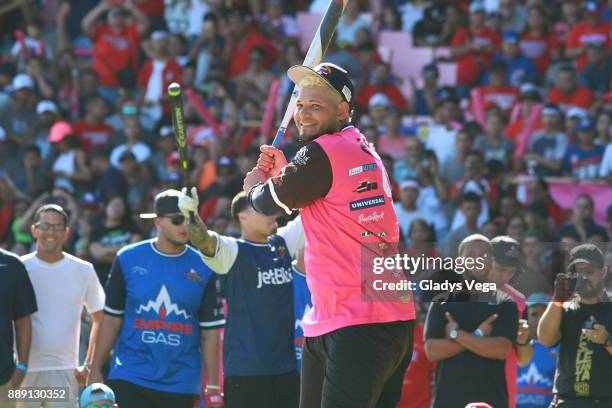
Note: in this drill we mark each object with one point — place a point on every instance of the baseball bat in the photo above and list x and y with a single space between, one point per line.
315 53
178 121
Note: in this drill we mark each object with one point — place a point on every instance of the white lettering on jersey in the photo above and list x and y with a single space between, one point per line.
276 276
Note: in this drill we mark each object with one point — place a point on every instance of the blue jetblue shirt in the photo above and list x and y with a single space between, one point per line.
259 333
301 305
535 381
164 301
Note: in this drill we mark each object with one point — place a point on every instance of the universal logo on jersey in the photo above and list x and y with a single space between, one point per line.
165 328
362 168
273 277
366 185
300 157
367 203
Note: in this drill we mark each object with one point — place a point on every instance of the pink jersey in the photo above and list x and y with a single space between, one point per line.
512 360
357 210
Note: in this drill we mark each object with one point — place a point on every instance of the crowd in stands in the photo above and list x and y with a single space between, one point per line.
85 118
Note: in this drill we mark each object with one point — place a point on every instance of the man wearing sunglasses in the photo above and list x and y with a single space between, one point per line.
580 319
63 284
161 309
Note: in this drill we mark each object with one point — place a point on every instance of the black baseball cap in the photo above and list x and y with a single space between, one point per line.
506 251
334 75
588 253
164 203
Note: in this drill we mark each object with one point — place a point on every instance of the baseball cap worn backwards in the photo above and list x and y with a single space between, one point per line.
96 392
332 74
164 203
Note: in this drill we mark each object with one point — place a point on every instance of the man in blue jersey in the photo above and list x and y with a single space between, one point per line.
258 345
161 308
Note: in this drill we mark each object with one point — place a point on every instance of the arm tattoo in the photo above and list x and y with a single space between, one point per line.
201 238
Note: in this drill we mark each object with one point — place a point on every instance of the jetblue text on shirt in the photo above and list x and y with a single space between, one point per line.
276 276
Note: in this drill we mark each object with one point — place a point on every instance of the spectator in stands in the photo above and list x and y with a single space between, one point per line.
389 18
406 209
69 166
546 148
493 144
30 44
256 80
35 179
590 30
427 32
473 47
207 48
479 336
497 93
277 24
381 82
141 151
473 181
433 194
535 381
413 153
573 116
349 24
582 224
598 70
605 167
91 131
538 42
536 273
115 231
425 99
440 135
388 163
17 116
524 118
603 128
115 45
242 37
412 12
520 69
579 320
471 209
512 16
568 93
452 168
392 139
159 71
583 157
453 21
570 17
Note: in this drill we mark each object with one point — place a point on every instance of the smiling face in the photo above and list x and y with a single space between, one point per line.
50 232
319 110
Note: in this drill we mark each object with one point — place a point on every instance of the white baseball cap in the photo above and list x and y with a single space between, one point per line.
23 81
379 99
45 106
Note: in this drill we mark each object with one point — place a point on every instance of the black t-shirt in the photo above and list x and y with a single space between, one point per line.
468 377
584 368
17 300
116 237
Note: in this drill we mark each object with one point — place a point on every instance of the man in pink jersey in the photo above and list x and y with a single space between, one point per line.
506 262
356 350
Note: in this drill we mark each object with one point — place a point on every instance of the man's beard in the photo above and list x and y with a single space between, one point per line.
586 290
327 129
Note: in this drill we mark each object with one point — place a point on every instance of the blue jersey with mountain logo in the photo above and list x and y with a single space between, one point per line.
164 300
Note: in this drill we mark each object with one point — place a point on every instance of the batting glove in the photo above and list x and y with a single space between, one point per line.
188 203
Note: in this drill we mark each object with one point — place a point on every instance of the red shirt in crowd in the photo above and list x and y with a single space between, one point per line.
114 52
153 8
391 91
470 65
539 49
503 97
239 59
581 97
92 136
585 33
171 73
416 389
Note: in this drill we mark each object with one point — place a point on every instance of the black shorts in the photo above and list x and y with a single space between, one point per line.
262 391
357 366
130 395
